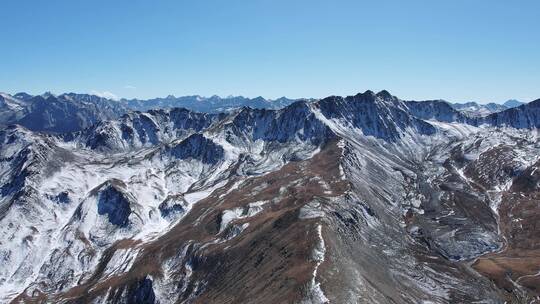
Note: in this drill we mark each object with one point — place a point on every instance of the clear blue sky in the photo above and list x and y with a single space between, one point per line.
456 50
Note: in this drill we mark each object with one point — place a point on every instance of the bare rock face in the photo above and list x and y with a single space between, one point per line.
59 114
111 202
359 199
198 147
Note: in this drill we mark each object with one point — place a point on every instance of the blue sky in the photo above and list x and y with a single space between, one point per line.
456 50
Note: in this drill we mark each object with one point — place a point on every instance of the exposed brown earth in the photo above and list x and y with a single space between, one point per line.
518 265
268 262
270 259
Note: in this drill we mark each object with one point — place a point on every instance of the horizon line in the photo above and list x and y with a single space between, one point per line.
111 96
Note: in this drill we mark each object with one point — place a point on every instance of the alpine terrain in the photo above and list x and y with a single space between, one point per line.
358 199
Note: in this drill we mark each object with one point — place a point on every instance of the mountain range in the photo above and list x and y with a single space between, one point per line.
74 112
479 109
358 199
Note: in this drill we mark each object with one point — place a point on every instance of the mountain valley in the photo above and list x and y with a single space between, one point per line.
358 199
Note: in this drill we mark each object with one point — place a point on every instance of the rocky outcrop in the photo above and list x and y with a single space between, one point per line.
197 147
112 203
380 115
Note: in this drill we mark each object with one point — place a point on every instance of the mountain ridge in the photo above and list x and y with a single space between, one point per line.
312 199
74 112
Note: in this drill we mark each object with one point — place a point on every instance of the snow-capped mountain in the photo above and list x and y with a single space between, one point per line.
57 114
478 109
74 112
137 130
213 104
512 103
358 199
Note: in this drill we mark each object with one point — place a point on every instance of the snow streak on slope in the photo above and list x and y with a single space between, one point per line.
359 199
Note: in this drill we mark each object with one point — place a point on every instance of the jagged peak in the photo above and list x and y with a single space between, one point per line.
512 103
385 95
48 94
22 96
367 93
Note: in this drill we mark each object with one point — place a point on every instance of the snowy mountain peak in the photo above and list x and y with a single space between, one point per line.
22 96
512 103
385 95
47 95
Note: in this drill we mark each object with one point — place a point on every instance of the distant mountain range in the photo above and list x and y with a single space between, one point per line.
479 109
71 112
213 104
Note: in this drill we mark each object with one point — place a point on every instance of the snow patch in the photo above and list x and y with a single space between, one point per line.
315 293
